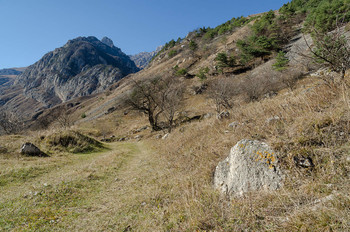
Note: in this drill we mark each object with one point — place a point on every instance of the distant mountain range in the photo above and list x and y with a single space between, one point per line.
81 67
144 58
10 71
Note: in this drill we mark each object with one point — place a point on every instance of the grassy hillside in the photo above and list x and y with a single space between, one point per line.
135 181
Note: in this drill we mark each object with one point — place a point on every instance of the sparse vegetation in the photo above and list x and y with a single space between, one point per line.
181 72
193 45
172 53
202 73
72 141
140 182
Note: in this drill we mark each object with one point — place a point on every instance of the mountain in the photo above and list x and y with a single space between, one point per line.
83 66
142 59
9 71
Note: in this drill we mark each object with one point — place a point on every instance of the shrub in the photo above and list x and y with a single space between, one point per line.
83 115
193 45
172 53
224 61
181 72
202 71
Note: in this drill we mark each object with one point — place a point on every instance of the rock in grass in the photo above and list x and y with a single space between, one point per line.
250 166
31 150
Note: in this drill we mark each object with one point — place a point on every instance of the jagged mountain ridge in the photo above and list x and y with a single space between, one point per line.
142 59
83 66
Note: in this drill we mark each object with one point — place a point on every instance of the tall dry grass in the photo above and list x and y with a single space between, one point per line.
312 123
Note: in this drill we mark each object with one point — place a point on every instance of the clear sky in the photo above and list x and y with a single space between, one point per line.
31 28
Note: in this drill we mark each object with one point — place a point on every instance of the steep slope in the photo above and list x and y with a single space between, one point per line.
81 67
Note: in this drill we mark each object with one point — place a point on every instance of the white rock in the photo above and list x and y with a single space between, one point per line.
251 166
165 136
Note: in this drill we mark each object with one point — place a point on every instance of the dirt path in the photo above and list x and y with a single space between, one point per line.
97 192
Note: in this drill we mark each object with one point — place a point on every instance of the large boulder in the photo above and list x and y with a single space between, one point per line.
31 150
251 166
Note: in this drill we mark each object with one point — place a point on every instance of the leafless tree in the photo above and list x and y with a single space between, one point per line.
9 123
159 98
65 119
222 92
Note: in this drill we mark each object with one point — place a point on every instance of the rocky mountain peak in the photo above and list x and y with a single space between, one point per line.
83 66
107 41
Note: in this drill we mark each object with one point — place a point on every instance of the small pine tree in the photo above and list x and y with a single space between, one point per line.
193 45
281 62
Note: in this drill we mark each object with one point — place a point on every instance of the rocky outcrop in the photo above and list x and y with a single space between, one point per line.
142 59
81 67
251 166
107 41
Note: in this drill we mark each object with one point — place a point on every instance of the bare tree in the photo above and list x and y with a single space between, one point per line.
65 119
222 92
9 123
159 98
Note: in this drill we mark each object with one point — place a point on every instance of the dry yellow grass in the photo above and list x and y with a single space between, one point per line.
166 185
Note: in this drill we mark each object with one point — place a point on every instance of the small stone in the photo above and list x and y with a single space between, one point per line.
165 136
233 125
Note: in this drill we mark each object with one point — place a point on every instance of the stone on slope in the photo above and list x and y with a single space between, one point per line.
31 150
250 166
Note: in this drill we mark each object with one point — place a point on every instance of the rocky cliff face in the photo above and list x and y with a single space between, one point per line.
143 58
81 67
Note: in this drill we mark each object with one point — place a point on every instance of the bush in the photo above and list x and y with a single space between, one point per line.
193 45
181 72
83 115
202 71
224 61
172 53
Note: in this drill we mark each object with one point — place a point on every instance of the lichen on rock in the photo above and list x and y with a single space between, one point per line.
251 166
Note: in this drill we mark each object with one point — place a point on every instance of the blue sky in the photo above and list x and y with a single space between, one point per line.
31 28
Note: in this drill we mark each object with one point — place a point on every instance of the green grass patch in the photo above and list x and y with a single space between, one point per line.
23 174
